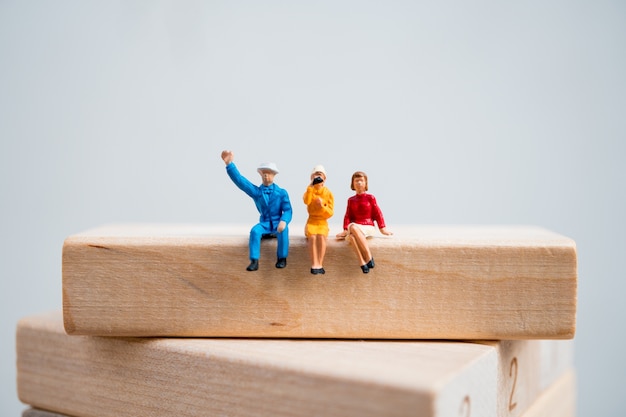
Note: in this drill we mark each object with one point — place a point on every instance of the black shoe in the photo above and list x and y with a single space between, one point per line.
281 263
254 265
371 264
316 271
365 268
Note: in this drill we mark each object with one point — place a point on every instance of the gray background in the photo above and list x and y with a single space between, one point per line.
482 112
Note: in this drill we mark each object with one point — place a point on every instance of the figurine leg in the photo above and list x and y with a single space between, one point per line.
355 245
359 240
283 243
312 250
254 243
317 250
321 249
282 251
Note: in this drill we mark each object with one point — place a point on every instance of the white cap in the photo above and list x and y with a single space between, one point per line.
270 166
320 169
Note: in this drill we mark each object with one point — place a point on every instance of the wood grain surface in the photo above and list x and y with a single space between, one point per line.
430 282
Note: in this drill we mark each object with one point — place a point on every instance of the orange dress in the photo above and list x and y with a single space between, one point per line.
317 223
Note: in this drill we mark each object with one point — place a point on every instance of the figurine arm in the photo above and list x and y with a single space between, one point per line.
347 218
240 181
377 215
308 195
328 204
285 206
346 222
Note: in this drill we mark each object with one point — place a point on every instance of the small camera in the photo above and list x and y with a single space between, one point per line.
317 180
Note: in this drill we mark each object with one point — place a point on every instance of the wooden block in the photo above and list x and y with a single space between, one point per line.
430 282
526 368
558 400
104 376
556 356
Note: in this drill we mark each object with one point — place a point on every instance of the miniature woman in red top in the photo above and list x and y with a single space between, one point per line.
358 223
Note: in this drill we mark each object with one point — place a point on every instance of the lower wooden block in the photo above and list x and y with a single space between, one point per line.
100 376
526 368
558 400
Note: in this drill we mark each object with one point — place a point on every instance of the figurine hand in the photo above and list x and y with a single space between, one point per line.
228 157
386 232
342 234
281 226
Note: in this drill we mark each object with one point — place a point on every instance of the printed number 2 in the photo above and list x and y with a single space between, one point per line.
465 405
512 404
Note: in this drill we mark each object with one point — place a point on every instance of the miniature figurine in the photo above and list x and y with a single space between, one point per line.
274 207
320 206
358 222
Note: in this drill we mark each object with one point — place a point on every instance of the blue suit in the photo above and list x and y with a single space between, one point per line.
273 204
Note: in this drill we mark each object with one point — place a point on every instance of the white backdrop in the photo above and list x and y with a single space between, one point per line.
460 112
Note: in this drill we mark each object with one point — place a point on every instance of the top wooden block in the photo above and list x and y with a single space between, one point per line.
430 282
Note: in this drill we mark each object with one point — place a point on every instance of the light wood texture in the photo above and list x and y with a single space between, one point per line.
526 368
558 400
100 376
430 282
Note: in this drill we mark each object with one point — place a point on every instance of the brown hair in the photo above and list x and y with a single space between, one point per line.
358 174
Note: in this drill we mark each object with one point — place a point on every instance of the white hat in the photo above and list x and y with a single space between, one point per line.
320 169
270 166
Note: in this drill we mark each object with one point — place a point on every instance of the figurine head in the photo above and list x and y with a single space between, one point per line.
318 171
361 176
267 170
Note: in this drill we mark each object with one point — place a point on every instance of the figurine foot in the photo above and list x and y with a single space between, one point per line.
365 268
371 264
254 265
316 271
281 263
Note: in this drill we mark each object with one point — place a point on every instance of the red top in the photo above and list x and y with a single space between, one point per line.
363 209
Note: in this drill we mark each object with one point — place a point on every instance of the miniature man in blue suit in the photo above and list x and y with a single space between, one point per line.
274 206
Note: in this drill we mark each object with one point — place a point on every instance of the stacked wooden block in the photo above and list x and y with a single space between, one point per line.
164 320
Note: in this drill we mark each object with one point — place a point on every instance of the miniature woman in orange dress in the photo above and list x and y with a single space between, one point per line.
320 206
358 223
